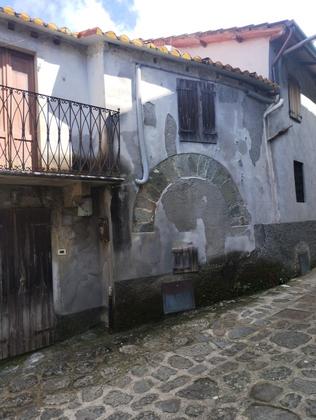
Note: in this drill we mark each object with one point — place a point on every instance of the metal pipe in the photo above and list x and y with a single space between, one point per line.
299 45
278 56
140 126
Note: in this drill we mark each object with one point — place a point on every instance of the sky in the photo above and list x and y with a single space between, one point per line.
149 18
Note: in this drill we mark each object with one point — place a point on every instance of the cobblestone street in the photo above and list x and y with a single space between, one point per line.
253 358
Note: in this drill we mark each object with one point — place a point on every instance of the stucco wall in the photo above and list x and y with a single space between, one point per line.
251 54
238 148
77 276
298 143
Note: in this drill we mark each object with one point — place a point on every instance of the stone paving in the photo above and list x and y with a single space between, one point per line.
253 358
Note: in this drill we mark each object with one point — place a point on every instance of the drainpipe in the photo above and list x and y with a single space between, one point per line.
299 45
278 56
273 107
140 127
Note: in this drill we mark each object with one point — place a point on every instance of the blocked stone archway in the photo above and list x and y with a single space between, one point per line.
186 165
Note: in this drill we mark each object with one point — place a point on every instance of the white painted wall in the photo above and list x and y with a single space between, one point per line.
60 70
252 54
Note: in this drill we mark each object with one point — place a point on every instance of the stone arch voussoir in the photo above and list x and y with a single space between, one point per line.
180 166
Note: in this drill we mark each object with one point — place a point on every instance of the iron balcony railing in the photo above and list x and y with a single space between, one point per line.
46 134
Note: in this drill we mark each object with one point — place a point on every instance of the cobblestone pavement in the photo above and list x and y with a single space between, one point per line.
254 358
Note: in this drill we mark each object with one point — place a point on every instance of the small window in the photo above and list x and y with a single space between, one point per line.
196 109
299 181
294 99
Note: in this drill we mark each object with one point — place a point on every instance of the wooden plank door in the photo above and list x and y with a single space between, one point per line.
18 109
26 299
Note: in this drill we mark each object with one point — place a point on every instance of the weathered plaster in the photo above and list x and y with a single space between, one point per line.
176 168
170 135
298 143
149 114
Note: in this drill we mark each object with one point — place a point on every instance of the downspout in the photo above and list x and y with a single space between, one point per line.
273 107
278 56
140 127
300 44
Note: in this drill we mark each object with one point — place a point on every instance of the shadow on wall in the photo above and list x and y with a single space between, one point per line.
140 300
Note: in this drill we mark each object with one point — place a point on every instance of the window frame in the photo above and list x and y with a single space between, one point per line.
203 128
299 181
294 97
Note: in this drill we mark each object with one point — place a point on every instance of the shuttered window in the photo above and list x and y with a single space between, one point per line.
196 110
187 106
294 99
208 108
299 181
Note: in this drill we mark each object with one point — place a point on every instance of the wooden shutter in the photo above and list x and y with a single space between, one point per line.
294 99
187 106
17 111
208 108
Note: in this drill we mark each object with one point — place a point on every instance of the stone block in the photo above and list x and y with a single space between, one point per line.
169 168
143 227
230 193
221 176
202 167
187 164
143 202
150 191
158 180
142 216
211 169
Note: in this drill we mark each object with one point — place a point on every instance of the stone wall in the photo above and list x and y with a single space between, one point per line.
282 251
287 242
182 167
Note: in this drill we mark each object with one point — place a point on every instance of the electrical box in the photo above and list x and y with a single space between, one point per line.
85 207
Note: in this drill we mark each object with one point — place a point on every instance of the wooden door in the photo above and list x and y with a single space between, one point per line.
17 113
26 295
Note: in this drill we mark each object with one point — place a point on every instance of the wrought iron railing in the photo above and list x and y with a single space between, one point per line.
40 133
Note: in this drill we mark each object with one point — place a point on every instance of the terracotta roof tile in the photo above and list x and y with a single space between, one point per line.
212 33
139 43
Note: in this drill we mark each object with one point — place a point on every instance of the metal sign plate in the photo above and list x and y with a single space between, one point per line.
178 296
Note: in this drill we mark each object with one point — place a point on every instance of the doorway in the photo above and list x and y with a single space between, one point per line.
26 294
17 111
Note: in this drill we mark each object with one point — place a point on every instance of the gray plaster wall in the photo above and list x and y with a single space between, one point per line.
286 242
76 275
190 210
298 143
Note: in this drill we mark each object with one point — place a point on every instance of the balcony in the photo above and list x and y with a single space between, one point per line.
45 135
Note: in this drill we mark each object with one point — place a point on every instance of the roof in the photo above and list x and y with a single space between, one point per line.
36 23
276 31
271 30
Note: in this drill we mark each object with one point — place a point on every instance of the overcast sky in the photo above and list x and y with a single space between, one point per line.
149 18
